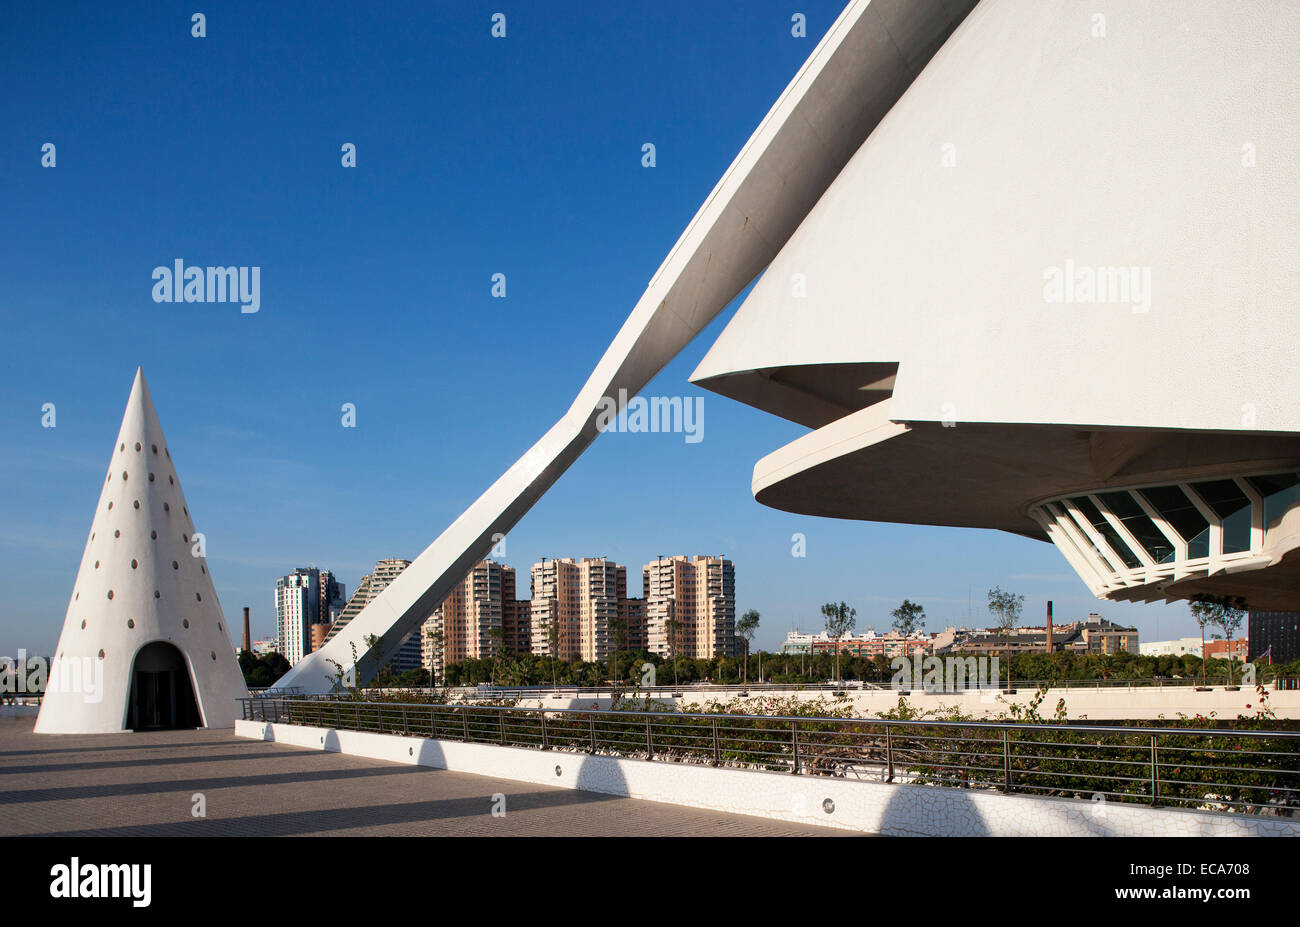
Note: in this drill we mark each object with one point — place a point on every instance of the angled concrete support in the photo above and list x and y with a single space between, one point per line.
857 72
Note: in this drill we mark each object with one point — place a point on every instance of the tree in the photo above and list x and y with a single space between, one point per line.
673 627
1005 608
1219 615
840 620
436 639
553 635
908 618
746 628
497 639
617 625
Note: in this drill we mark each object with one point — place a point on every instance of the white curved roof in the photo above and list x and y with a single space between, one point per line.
1115 152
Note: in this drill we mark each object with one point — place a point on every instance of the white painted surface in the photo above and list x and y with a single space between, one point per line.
1123 150
152 600
869 807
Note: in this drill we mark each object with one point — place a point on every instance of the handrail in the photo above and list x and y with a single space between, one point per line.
1211 769
898 722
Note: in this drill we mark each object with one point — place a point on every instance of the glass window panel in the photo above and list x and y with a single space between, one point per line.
1280 491
1106 530
1233 507
1184 517
1124 507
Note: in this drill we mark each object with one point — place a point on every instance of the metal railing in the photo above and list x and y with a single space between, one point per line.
1230 770
847 686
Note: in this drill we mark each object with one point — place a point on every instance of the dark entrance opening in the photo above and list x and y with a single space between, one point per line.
162 697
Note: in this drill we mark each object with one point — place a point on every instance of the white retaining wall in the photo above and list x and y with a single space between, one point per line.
872 807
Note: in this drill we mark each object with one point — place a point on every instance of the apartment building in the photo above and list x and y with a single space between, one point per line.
478 619
305 598
577 606
407 656
690 606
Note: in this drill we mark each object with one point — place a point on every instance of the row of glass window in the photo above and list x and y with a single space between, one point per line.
1224 497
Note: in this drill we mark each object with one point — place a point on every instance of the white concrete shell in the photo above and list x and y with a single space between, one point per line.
855 74
138 584
913 320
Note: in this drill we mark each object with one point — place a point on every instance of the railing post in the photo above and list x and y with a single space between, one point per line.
889 753
406 724
464 723
592 721
1155 771
1006 760
794 741
649 740
545 743
502 716
717 752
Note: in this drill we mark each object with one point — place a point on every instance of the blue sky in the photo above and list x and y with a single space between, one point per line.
475 156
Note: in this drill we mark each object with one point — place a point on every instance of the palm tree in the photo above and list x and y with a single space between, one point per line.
436 639
618 631
746 628
553 634
497 637
840 620
674 627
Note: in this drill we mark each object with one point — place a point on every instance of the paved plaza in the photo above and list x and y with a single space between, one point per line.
144 785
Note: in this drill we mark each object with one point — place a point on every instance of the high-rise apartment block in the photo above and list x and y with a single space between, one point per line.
303 601
367 591
576 607
478 619
408 656
690 606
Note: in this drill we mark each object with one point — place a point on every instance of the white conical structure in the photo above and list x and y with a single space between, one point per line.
140 583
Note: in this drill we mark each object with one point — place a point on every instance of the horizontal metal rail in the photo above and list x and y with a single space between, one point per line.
1277 683
1249 771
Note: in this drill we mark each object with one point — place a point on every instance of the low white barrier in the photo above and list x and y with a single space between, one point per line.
871 807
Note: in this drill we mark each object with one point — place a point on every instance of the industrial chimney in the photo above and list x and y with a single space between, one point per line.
1049 624
248 638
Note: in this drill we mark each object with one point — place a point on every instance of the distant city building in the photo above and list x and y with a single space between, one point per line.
1180 647
868 644
1235 649
470 623
319 633
408 655
303 601
698 595
367 590
1094 634
573 604
634 625
1274 636
516 622
265 646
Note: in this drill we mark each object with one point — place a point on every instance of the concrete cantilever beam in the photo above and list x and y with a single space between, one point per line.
857 72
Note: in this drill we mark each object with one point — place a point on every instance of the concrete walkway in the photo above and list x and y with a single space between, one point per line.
144 785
